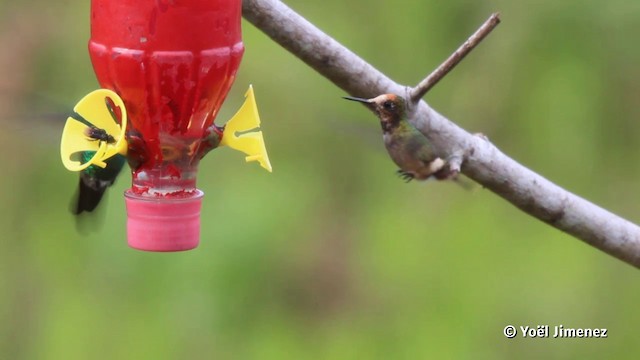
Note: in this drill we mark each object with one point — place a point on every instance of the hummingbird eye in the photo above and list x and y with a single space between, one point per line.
389 105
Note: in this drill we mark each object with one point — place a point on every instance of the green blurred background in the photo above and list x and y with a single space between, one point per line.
332 256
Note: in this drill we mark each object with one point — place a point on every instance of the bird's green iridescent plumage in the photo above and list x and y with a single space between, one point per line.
411 151
114 166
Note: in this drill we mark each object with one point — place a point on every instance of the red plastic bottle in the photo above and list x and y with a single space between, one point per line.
172 62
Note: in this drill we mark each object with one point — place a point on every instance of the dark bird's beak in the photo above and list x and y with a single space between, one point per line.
366 101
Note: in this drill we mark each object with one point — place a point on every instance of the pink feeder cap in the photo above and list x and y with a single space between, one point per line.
163 224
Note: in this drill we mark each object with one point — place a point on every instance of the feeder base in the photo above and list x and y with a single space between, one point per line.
163 224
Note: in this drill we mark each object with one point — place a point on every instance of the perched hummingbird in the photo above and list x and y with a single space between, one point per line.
95 180
407 146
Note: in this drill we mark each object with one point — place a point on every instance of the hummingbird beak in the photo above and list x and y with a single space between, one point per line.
366 101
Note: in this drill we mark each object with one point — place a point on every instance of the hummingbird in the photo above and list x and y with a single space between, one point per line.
95 180
406 145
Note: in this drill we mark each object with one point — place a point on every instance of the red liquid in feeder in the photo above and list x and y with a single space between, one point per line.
173 63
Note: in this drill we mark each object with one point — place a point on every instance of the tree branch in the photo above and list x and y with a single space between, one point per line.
454 59
480 159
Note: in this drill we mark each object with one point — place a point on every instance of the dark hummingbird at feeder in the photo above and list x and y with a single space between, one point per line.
406 145
95 180
94 145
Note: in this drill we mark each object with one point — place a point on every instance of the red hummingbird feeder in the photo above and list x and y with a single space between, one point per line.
172 62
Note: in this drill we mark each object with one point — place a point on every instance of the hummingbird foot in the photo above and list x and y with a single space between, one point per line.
450 169
447 174
405 175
